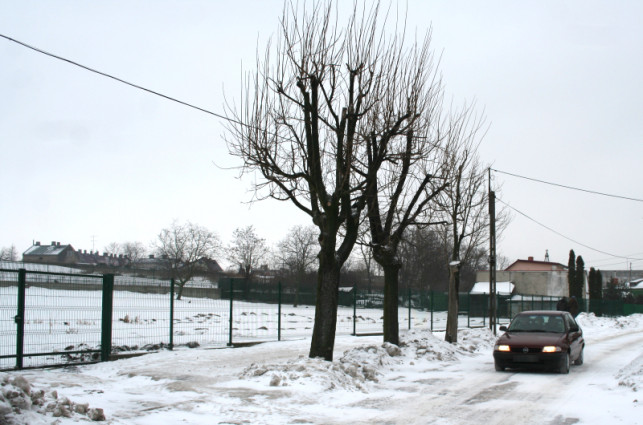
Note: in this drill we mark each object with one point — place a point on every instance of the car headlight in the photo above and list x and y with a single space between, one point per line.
551 349
502 348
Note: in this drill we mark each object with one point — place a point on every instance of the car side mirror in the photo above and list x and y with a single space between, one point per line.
503 328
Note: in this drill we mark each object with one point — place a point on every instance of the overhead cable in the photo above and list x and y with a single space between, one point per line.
565 237
568 187
120 80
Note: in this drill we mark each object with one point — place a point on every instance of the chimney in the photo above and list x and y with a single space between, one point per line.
151 256
38 243
53 243
57 243
530 259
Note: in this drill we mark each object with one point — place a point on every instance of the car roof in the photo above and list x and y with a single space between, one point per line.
542 312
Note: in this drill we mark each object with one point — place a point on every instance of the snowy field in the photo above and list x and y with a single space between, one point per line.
424 381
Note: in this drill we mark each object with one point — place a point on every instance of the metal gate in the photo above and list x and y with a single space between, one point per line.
53 319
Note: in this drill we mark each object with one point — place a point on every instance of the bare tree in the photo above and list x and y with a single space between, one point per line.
113 248
424 256
9 253
463 204
247 250
302 123
133 251
182 247
406 162
298 251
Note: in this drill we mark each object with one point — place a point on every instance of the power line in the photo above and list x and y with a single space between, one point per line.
120 80
568 187
566 237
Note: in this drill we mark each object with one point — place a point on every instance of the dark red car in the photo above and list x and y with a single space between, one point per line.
540 339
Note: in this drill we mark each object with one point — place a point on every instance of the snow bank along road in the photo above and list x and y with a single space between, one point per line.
424 381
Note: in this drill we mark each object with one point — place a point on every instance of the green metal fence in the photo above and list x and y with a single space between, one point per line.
51 318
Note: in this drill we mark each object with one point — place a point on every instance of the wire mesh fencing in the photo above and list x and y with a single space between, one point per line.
50 318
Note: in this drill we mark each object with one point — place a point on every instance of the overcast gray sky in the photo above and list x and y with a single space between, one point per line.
88 161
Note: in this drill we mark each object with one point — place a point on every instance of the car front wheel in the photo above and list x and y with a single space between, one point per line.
564 365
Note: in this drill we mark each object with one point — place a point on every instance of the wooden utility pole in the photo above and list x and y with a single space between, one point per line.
492 257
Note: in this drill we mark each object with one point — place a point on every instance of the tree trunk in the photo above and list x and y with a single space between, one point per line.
451 335
179 291
323 340
391 321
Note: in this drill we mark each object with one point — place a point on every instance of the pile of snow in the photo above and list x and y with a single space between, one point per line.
361 365
632 374
20 403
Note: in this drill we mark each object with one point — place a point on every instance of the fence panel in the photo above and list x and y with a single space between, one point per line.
62 325
140 315
52 318
72 318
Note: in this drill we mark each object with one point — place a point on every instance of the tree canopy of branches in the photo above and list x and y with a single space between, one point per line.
298 252
183 246
307 109
132 251
247 250
9 253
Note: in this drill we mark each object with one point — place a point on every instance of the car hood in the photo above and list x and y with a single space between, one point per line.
531 338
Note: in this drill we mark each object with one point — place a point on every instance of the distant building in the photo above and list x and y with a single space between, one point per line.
95 262
531 265
531 277
50 254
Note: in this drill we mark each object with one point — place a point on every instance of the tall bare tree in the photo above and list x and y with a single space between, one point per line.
182 247
247 250
306 109
463 204
406 162
298 251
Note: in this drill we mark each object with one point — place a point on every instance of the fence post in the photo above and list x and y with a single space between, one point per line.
468 310
230 324
279 314
431 293
172 314
20 318
409 300
106 323
354 310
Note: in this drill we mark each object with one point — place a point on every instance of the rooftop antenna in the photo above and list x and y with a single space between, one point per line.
547 255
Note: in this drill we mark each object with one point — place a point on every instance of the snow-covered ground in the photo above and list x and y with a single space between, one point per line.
424 381
58 320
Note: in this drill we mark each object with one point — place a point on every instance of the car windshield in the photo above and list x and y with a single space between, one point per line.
537 323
